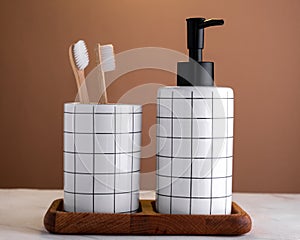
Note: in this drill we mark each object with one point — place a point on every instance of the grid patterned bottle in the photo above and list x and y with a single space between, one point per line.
194 150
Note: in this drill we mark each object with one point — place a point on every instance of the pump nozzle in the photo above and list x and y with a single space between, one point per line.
195 35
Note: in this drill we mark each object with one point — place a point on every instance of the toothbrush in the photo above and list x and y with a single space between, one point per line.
79 59
106 62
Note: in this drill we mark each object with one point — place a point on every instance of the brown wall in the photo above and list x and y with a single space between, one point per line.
257 53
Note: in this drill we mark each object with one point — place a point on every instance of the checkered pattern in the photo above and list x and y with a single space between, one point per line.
101 157
194 150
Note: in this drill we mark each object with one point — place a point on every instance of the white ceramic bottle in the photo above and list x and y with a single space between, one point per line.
195 136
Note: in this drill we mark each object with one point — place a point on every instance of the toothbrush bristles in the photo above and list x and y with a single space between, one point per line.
107 58
81 55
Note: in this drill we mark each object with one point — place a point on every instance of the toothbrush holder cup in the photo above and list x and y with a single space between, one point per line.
102 157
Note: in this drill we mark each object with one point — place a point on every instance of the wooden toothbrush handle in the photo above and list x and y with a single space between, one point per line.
101 78
82 89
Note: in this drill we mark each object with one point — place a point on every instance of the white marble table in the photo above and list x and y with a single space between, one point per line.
275 216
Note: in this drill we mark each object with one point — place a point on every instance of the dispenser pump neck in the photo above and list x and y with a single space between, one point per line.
195 35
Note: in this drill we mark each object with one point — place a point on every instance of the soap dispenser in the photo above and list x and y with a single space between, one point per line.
195 135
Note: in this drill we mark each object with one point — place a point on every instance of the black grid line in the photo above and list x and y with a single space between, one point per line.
100 194
191 173
102 113
102 153
115 156
194 178
195 118
131 175
128 212
188 98
123 172
208 138
93 159
95 173
193 197
172 146
74 167
163 156
102 133
212 150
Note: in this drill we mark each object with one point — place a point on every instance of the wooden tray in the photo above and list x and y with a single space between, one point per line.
146 222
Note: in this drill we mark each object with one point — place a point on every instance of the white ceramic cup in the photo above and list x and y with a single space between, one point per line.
102 157
194 150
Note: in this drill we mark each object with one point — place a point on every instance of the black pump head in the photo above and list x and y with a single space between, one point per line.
196 72
195 35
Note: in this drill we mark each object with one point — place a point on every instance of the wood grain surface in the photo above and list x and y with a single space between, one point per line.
145 222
